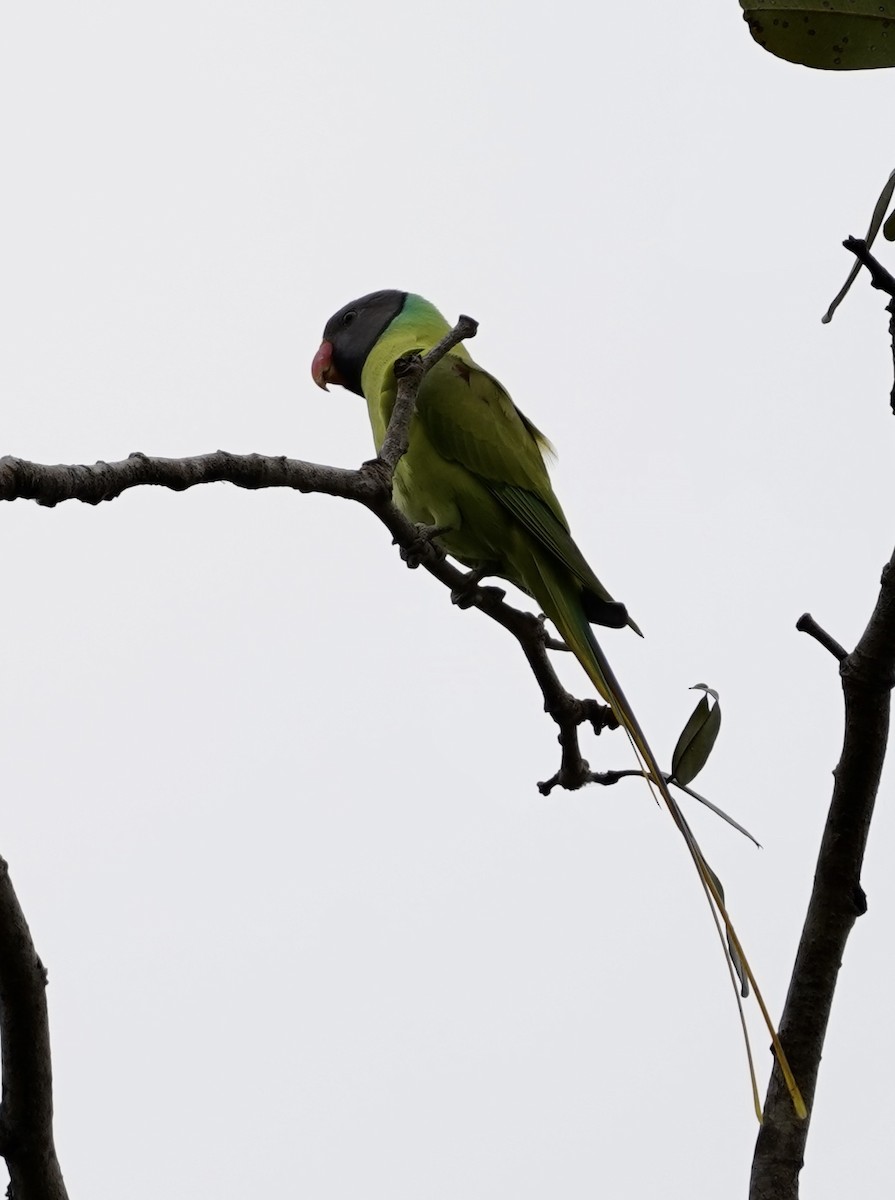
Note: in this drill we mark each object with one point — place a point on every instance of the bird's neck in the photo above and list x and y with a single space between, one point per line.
417 328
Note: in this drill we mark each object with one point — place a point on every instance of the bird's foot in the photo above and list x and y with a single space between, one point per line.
465 594
422 544
599 715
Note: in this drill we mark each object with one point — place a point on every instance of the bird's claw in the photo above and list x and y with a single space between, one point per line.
599 715
465 594
416 552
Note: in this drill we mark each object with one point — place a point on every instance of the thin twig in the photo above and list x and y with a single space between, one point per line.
807 624
608 778
410 373
557 644
568 713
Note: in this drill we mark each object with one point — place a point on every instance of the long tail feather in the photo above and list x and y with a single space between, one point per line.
564 608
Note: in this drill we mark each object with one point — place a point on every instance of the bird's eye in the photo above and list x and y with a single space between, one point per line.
348 318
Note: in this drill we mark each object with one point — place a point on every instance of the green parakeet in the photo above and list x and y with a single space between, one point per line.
475 471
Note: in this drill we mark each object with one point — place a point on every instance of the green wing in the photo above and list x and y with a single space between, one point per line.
471 420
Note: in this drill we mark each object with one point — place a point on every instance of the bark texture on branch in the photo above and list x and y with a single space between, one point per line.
837 898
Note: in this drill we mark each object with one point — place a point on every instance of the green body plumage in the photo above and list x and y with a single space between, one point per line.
475 467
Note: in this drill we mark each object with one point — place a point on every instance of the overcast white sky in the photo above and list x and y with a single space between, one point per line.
269 801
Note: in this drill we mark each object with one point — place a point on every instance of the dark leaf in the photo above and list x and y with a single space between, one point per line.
695 743
876 220
832 35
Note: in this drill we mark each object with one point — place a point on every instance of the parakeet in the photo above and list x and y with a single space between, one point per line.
475 472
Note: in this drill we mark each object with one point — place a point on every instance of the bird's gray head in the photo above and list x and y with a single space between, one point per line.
351 334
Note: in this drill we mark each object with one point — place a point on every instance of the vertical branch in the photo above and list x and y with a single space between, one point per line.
26 1111
837 898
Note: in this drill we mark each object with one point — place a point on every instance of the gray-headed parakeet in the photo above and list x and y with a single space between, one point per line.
475 471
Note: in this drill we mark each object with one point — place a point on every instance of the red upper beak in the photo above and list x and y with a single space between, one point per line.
322 369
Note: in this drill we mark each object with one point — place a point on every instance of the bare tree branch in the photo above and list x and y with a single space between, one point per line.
370 486
837 898
26 1113
51 485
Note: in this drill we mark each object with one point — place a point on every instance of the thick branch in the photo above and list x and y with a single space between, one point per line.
51 485
837 899
26 1114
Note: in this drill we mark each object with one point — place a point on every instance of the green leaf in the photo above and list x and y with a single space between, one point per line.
832 35
719 812
695 743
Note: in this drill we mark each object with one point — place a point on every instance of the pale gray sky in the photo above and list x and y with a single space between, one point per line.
310 928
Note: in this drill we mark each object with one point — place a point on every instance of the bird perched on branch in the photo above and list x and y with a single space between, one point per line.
474 474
